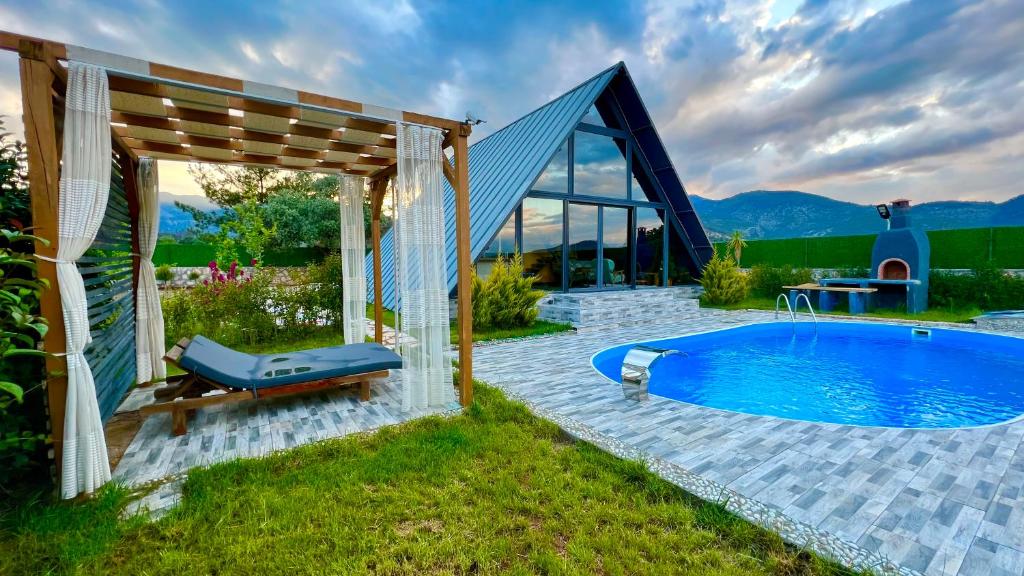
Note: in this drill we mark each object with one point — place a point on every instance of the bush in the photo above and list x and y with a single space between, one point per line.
164 273
21 363
723 282
768 281
318 295
986 288
230 307
506 299
193 275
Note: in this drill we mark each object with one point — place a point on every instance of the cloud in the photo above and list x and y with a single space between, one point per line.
856 99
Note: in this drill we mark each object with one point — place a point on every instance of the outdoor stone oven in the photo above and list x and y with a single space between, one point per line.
900 262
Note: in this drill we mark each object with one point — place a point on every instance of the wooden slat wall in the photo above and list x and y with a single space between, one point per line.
107 270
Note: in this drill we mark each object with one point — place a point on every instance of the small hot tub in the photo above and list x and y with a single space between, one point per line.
1004 320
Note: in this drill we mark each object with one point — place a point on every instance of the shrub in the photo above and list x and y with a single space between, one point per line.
21 363
230 307
987 288
193 275
164 273
767 281
318 295
723 281
506 299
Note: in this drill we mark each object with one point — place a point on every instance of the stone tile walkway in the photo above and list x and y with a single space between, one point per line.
237 430
939 502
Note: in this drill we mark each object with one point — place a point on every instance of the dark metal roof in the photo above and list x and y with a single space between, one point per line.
504 165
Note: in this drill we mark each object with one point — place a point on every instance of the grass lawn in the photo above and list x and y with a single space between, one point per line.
538 328
930 315
491 490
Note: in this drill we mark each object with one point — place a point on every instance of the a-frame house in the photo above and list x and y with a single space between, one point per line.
584 188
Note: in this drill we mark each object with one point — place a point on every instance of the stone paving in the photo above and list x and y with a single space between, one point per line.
939 502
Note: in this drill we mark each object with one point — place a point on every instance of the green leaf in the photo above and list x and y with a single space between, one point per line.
12 389
24 352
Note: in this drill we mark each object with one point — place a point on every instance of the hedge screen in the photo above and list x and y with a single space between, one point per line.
189 255
967 248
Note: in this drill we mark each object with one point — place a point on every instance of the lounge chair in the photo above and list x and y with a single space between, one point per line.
235 376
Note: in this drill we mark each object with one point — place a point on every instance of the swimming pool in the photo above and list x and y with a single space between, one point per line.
866 374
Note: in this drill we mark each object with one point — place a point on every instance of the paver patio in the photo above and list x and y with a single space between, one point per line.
940 502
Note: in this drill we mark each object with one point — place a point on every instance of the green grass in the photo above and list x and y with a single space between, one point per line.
930 315
538 328
492 490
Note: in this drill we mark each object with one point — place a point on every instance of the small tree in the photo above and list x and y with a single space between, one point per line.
736 245
723 281
506 299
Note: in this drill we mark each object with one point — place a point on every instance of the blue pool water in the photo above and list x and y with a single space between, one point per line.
849 373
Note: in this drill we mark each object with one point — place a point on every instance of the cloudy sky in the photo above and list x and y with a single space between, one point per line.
862 100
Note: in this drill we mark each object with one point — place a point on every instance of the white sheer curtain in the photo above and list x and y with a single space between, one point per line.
353 253
425 340
84 187
149 319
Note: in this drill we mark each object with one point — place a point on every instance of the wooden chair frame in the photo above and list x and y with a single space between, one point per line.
184 394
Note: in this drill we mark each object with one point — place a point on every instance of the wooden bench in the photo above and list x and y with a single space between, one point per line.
827 296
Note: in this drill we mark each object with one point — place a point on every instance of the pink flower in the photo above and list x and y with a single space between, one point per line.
212 265
252 262
206 282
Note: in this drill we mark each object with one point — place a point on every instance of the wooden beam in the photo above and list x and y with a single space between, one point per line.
37 80
140 144
378 188
446 168
229 121
237 133
465 263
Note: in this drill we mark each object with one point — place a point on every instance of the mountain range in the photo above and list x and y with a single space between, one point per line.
763 214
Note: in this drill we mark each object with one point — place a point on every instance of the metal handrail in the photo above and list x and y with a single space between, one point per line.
809 309
785 299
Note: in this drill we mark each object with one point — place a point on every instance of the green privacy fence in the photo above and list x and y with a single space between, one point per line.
189 255
965 248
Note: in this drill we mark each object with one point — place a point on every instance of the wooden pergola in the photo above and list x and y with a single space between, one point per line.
173 113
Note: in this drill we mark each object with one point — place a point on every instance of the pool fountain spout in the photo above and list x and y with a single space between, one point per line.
636 369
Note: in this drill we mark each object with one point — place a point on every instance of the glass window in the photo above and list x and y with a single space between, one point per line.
503 244
615 235
583 265
599 166
650 228
679 261
555 177
542 241
593 117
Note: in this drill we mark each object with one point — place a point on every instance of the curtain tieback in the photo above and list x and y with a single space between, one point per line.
59 261
54 260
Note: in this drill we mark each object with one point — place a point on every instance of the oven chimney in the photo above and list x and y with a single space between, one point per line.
900 214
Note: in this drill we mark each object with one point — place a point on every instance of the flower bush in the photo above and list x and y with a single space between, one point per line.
723 281
231 307
235 307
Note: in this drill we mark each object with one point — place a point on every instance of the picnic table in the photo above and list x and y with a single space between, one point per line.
828 295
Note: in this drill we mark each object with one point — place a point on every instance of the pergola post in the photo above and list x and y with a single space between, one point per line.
38 80
377 191
464 261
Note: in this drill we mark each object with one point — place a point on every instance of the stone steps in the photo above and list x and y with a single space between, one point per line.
619 308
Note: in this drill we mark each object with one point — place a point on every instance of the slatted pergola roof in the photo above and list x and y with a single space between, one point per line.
173 122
